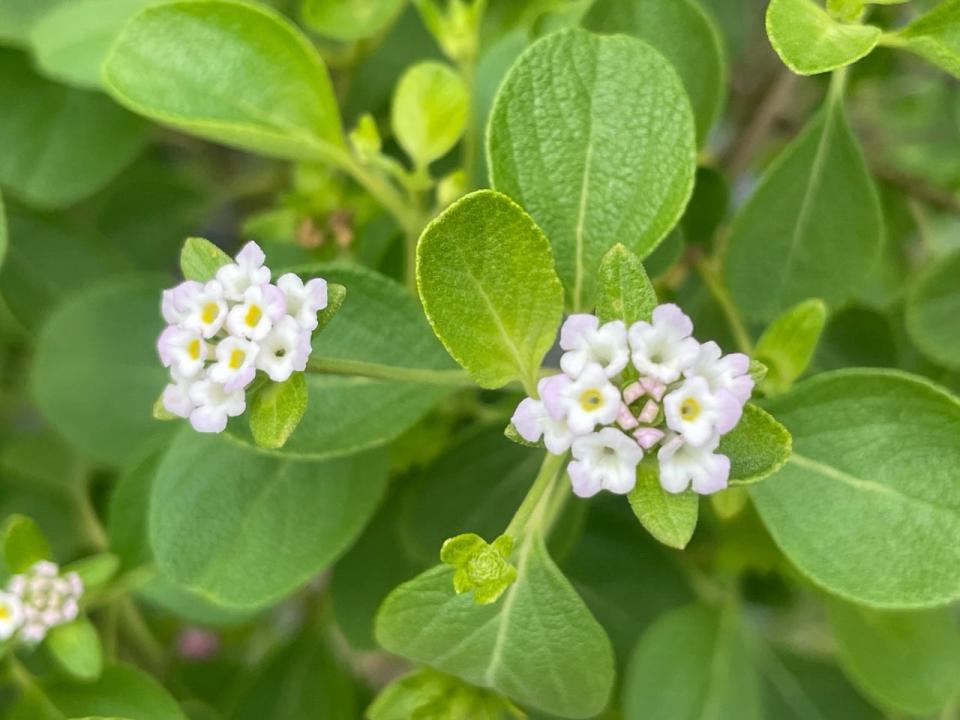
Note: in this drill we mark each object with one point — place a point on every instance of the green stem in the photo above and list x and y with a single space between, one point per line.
720 294
531 511
137 631
28 684
341 366
382 190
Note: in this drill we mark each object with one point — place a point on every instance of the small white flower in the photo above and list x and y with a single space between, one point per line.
246 272
586 342
253 318
532 421
663 348
588 401
176 395
214 405
11 615
304 301
698 414
604 460
182 350
729 372
683 465
202 307
284 350
46 599
236 364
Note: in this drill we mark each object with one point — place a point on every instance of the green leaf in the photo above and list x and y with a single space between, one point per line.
350 19
18 16
934 36
489 289
23 544
95 570
3 232
479 567
96 374
232 72
70 42
810 41
594 137
122 691
245 529
812 228
538 645
933 306
427 693
788 344
757 447
76 648
693 663
277 410
875 457
624 291
429 111
906 660
670 518
200 259
685 34
336 294
43 150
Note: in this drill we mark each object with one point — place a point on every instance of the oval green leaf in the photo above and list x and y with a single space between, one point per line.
868 505
933 309
787 345
933 36
429 111
277 410
350 19
76 648
23 544
757 447
624 290
670 518
489 289
594 137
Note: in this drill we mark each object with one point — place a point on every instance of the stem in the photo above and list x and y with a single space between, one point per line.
28 684
341 366
382 190
720 294
521 522
138 632
91 524
763 121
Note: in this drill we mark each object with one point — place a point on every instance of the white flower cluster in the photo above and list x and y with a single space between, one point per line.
221 332
650 386
37 601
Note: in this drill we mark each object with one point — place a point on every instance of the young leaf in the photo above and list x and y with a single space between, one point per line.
934 36
757 447
350 19
693 663
875 458
670 518
809 40
788 344
336 294
812 228
277 410
232 72
429 111
489 289
94 570
594 136
426 692
23 544
685 34
243 528
43 149
540 623
624 291
76 648
876 646
200 259
933 307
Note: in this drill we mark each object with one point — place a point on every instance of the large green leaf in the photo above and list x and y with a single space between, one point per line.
809 40
691 664
489 289
812 228
243 528
685 34
96 375
54 158
232 72
933 307
539 645
935 36
868 505
594 137
906 660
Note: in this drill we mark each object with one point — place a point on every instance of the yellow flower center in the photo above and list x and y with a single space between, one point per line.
4 612
590 399
193 349
209 313
236 359
253 316
689 409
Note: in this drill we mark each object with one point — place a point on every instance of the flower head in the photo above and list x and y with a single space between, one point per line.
604 460
213 405
248 271
203 307
182 350
698 414
479 566
284 350
663 348
586 342
683 465
532 421
588 401
722 372
254 316
46 599
304 300
235 367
